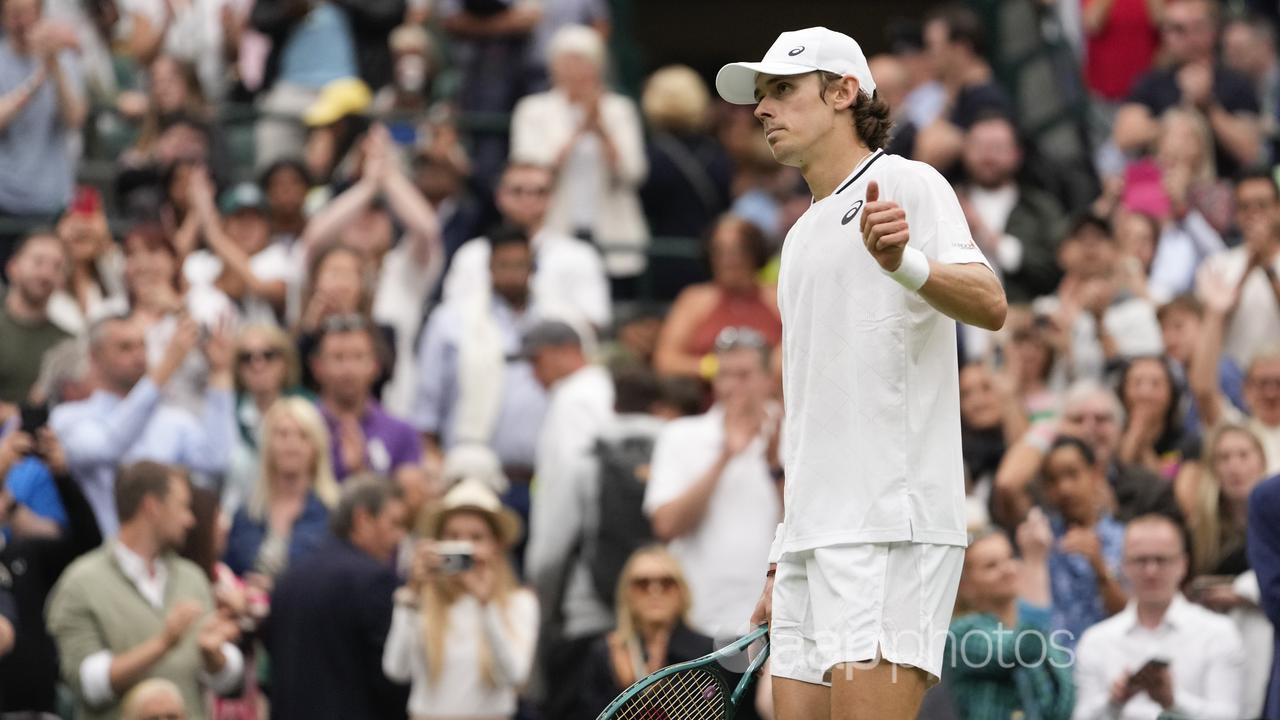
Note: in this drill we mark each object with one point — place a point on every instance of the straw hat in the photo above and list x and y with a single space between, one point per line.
474 495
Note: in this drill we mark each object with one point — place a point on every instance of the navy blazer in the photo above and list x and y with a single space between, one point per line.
1264 558
330 614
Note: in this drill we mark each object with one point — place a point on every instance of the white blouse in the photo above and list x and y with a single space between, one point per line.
460 690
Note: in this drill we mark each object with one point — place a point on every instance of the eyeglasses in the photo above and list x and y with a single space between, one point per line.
531 190
1099 418
666 583
1160 562
248 357
1264 383
736 338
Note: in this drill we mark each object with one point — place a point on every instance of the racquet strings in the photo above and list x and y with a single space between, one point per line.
695 694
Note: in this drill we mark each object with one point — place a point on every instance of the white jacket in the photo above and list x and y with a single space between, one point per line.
543 124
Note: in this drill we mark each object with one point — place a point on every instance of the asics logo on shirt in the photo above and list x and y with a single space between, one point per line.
853 212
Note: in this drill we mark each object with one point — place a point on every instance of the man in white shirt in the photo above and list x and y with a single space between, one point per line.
712 495
1253 269
870 551
1161 654
580 405
568 273
133 609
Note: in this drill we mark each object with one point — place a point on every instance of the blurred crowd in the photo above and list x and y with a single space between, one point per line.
380 359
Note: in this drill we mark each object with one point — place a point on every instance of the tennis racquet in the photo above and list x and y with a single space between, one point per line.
694 690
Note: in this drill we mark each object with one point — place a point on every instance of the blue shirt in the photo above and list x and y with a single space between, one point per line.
32 486
524 400
1077 602
106 430
245 539
320 49
36 168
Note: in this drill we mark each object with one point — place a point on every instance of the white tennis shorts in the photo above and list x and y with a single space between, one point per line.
860 604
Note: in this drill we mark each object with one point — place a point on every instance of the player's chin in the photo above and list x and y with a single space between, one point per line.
783 154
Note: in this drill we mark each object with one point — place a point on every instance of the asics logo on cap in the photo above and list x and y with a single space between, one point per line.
853 212
796 51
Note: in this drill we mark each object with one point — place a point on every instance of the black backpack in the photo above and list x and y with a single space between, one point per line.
623 527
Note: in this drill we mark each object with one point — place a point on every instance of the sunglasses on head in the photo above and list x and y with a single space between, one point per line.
343 323
665 583
736 338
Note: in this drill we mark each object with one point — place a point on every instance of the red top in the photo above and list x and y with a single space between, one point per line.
736 310
1122 50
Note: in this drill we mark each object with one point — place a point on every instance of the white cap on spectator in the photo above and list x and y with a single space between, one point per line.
797 52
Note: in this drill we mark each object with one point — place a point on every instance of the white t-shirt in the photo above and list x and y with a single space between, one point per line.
568 276
274 262
399 301
1256 324
872 436
725 558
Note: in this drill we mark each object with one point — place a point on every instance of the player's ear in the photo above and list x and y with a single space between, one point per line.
845 92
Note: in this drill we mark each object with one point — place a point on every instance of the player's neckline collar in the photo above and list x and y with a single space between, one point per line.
863 167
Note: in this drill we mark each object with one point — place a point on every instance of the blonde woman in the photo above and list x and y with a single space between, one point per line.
463 632
689 171
652 602
266 369
1234 464
286 516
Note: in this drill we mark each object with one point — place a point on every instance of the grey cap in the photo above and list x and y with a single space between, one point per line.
548 333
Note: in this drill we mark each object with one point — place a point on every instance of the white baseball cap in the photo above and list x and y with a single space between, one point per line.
797 52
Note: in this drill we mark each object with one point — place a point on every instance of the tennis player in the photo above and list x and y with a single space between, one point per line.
865 564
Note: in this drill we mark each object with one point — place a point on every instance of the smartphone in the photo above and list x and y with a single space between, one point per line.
456 556
87 201
1155 664
33 417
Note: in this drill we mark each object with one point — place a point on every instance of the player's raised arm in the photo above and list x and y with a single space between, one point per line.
968 292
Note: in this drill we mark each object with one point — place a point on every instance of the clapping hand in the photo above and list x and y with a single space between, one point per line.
1082 541
1216 291
1195 82
179 621
1034 536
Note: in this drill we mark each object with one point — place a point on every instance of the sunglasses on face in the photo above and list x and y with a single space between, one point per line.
246 357
665 583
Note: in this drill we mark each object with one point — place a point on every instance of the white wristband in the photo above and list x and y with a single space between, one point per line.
914 270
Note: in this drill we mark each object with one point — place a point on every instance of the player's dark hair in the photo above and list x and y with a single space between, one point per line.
870 114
